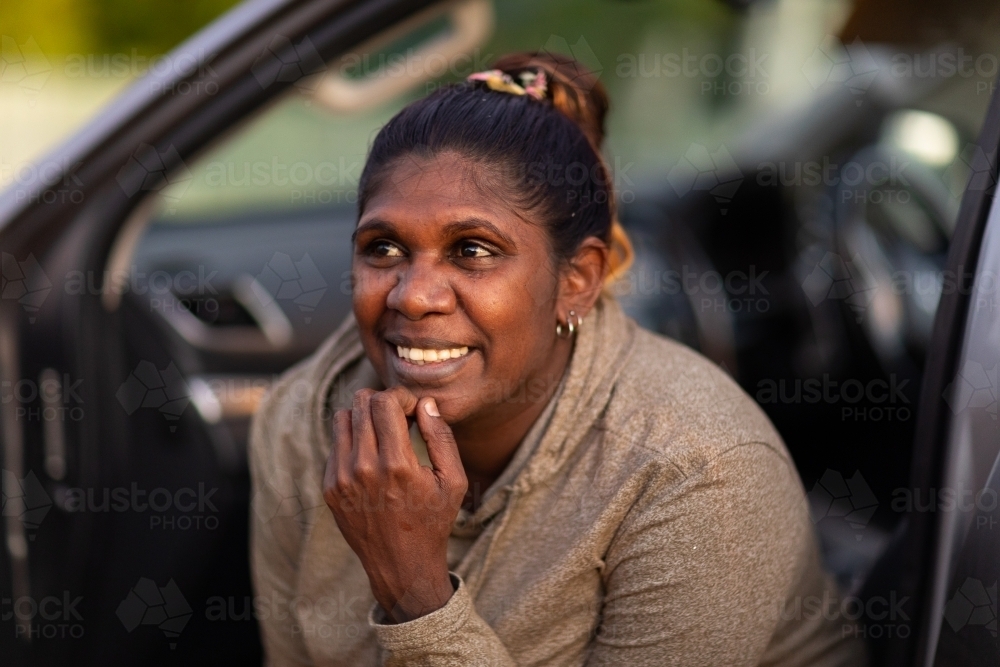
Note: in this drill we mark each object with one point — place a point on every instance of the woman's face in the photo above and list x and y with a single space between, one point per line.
456 296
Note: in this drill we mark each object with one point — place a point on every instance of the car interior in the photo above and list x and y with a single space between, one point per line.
219 255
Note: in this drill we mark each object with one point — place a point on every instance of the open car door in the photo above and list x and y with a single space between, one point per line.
939 578
125 486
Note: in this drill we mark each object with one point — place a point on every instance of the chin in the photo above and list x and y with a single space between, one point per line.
453 406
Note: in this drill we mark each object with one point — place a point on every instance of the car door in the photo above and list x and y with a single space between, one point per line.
962 595
125 495
943 564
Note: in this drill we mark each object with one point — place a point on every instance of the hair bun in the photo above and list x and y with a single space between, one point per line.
572 89
576 92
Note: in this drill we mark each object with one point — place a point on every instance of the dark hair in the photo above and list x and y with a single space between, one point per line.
544 154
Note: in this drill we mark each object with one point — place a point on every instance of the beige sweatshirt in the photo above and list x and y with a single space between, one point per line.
652 516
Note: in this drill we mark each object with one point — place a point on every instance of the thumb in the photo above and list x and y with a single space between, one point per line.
441 446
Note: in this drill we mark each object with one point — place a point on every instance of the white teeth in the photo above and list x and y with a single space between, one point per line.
421 356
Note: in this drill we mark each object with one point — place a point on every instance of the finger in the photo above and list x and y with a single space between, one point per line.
365 446
441 446
404 398
338 464
343 440
389 410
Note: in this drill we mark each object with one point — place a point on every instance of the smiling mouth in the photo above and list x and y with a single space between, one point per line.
422 356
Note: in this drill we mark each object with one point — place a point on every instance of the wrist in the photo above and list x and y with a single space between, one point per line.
423 595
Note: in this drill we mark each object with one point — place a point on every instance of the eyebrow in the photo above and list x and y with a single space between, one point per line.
472 224
374 225
452 228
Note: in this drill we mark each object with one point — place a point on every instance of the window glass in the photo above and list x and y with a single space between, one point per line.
684 79
677 74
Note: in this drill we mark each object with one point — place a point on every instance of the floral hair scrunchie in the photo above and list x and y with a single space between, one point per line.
533 84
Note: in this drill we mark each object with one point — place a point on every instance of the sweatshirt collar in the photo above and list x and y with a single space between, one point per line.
602 347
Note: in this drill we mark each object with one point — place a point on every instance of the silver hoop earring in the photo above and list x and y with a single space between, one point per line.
567 330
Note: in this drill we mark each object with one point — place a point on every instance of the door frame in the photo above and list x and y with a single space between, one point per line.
915 554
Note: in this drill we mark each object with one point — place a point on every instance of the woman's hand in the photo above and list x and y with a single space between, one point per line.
394 513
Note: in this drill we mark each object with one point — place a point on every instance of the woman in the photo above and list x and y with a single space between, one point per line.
584 491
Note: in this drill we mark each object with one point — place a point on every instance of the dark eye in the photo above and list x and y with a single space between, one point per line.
386 249
472 249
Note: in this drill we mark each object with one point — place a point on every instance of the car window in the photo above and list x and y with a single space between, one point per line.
969 548
278 191
263 220
299 154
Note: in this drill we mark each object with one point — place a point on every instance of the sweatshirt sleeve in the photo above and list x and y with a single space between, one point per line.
452 636
697 574
276 539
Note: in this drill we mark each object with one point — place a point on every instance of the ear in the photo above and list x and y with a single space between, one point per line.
582 278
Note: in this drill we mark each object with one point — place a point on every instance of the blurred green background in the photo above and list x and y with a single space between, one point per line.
58 67
107 26
63 60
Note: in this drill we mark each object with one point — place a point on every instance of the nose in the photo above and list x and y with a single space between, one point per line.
422 289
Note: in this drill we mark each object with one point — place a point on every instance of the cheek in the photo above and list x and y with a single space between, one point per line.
369 291
516 315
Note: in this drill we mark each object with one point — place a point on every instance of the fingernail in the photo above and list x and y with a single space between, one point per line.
431 408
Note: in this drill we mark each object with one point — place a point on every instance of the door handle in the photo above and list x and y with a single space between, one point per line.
471 25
